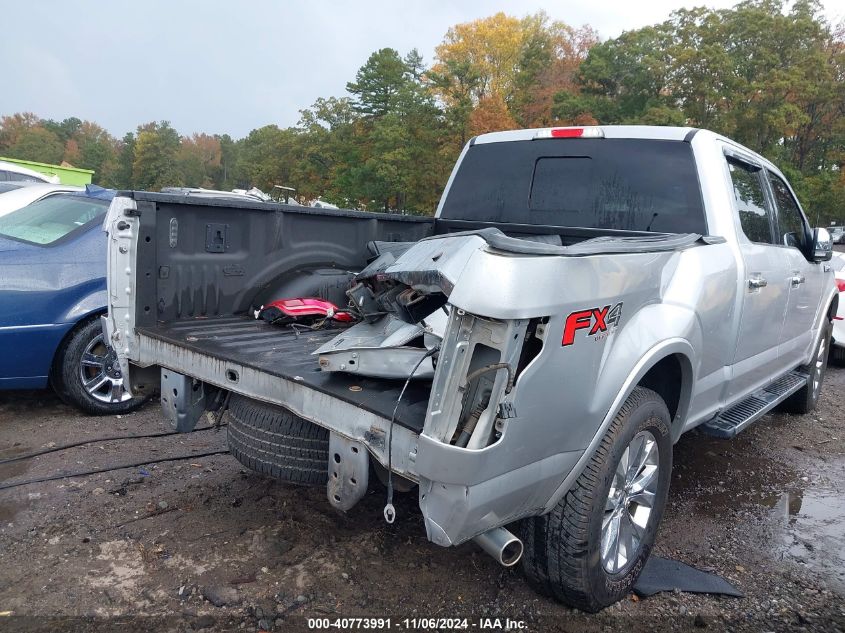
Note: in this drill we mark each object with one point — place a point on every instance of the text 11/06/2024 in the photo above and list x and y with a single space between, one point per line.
416 624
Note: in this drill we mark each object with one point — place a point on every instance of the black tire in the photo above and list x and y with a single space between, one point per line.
805 399
67 373
273 441
562 556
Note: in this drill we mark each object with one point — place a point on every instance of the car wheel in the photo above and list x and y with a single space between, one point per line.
590 549
87 376
273 441
805 399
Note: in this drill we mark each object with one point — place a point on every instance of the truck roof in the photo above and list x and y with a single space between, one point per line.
656 132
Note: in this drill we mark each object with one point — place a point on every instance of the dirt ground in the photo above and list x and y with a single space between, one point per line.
202 544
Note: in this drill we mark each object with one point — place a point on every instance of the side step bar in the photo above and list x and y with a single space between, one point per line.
744 413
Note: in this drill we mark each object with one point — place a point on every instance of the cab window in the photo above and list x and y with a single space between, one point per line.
791 227
754 212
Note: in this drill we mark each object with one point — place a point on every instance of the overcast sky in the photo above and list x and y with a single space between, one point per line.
228 67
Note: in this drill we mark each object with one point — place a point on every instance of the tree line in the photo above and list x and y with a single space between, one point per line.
770 77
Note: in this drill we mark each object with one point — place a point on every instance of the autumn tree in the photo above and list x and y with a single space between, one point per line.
327 143
198 160
266 157
122 177
96 150
624 78
80 143
37 144
491 115
65 129
12 126
154 163
492 47
502 72
772 79
228 160
380 148
552 54
456 83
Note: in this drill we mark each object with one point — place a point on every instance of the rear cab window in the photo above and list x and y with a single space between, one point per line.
640 185
755 214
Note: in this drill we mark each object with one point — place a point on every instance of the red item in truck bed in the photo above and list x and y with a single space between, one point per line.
303 310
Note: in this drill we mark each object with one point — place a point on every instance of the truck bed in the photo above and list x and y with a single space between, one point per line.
281 352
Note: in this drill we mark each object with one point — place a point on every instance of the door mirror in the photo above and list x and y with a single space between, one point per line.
822 245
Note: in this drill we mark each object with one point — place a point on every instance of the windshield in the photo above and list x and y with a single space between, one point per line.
50 219
624 184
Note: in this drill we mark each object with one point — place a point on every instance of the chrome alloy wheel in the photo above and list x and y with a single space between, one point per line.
818 366
100 373
629 502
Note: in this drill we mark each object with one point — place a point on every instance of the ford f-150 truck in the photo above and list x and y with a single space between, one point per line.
526 359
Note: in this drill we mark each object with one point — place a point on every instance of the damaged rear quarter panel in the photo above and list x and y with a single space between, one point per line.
565 397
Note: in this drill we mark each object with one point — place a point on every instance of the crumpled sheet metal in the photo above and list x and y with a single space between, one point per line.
381 349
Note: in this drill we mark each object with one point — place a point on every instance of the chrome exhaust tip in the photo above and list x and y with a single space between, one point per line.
501 545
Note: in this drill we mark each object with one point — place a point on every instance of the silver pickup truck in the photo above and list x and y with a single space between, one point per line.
525 360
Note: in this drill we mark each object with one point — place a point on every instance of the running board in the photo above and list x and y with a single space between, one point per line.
744 413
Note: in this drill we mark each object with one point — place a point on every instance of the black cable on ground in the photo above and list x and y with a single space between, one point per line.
63 447
96 471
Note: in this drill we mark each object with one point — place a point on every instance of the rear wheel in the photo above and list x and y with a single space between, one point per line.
590 549
86 374
273 441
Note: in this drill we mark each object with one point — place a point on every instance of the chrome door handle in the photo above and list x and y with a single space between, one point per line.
797 280
757 282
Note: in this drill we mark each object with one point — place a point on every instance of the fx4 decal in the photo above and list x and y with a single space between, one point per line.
598 320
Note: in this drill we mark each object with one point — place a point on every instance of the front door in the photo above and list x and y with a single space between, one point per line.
806 279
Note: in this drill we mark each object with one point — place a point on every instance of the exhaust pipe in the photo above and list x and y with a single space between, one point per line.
501 545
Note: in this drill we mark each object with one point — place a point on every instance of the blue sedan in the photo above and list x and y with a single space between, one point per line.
52 293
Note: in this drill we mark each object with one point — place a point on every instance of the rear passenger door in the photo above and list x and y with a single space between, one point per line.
765 290
806 278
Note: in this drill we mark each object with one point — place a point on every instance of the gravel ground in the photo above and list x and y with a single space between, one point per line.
202 544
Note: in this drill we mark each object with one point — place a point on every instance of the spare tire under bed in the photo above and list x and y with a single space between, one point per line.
273 441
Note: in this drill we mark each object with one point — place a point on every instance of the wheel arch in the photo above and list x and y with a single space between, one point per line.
78 323
665 368
831 301
309 280
90 303
663 360
671 378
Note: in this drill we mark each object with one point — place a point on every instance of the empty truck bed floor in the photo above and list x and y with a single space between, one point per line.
281 352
